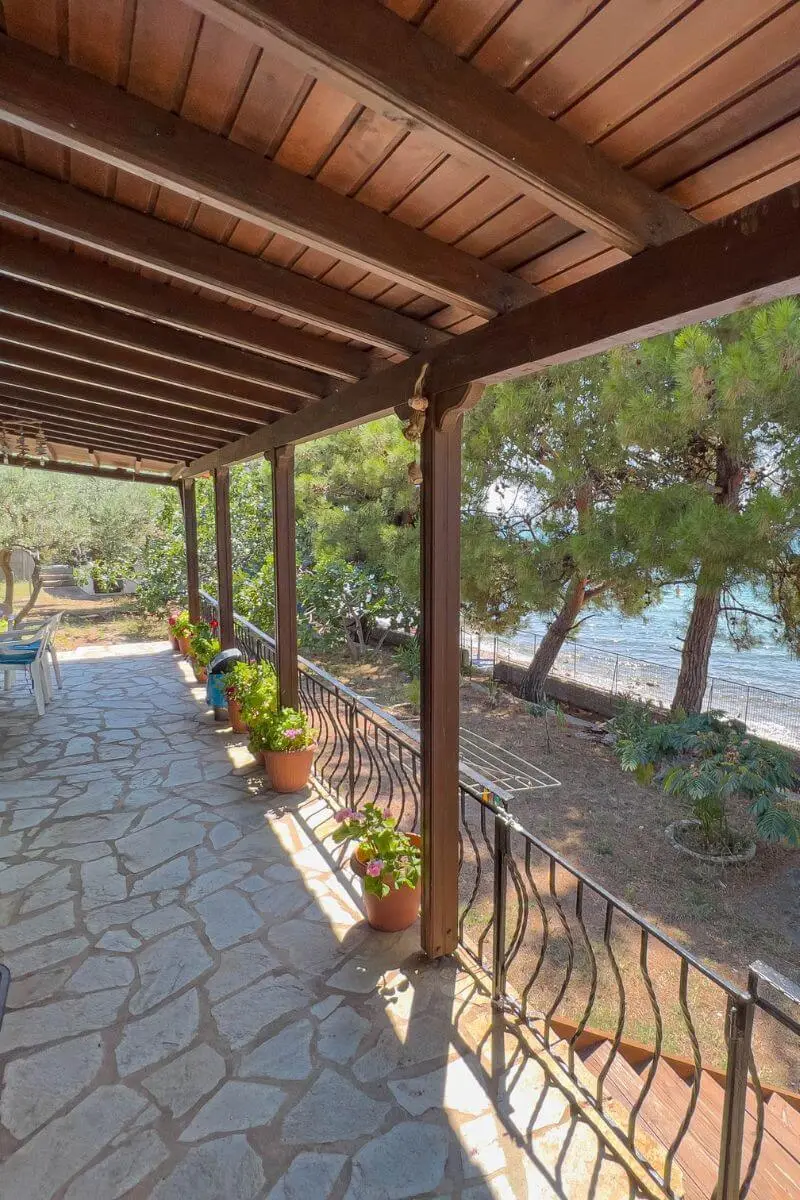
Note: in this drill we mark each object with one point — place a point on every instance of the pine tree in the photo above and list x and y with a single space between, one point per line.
550 497
718 407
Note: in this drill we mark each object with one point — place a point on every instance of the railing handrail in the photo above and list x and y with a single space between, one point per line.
477 783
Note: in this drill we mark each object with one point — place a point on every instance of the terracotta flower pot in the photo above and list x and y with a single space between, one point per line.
289 769
398 910
173 641
235 717
200 673
184 643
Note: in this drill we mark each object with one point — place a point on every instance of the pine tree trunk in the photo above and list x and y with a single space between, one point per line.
702 627
557 632
696 651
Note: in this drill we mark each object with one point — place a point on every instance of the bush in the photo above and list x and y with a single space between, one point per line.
718 763
407 658
205 643
254 687
286 729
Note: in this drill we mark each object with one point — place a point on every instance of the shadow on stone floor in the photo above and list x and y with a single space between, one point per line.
198 1009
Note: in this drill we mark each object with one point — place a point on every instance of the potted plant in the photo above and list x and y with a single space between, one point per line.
287 743
204 646
182 631
172 617
728 765
388 861
251 689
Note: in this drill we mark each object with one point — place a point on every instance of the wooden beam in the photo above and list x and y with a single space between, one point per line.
285 559
85 433
52 207
745 259
26 383
20 361
46 96
130 363
368 52
222 513
189 504
440 657
53 412
251 377
113 287
62 467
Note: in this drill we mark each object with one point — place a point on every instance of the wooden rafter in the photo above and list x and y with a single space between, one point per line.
64 344
34 404
27 384
52 366
368 52
206 360
113 287
96 443
63 467
749 258
45 96
52 207
104 434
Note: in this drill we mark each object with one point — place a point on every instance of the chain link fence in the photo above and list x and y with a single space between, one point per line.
764 712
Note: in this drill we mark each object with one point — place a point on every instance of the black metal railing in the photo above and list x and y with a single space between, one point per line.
678 1059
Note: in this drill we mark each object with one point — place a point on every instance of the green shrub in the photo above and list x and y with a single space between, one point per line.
205 643
286 729
407 658
254 686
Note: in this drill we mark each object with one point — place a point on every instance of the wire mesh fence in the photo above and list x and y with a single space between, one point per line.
764 712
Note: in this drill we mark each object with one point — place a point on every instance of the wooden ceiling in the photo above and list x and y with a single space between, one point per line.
219 214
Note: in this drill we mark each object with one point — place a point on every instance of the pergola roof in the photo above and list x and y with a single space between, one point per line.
225 225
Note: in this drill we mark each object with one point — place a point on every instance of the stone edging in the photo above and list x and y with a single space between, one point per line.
723 860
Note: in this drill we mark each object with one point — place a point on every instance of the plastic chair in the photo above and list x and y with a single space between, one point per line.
27 649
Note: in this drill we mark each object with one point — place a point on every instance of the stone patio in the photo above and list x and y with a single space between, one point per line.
197 1010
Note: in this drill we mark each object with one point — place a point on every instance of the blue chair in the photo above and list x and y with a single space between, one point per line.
26 649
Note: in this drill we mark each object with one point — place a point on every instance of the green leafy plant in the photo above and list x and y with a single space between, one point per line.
391 858
407 658
254 687
732 765
106 575
284 730
205 643
642 742
181 625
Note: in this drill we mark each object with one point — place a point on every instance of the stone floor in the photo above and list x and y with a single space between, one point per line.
197 1010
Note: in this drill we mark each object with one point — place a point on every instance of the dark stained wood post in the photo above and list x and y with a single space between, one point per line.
222 512
440 662
190 537
285 558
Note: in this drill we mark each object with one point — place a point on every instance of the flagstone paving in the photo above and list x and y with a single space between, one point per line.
197 1009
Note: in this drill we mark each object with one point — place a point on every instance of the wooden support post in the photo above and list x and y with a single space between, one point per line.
222 512
285 558
190 536
440 663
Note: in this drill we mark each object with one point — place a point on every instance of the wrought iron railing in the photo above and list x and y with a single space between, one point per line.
626 1010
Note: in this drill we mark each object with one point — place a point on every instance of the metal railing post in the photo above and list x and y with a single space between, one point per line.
740 1033
500 909
351 754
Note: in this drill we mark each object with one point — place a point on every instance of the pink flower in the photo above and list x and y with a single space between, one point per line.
375 867
292 733
346 814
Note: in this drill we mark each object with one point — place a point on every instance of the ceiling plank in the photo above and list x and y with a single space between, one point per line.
48 97
120 401
120 474
73 274
92 376
69 345
106 327
366 51
28 402
748 258
51 206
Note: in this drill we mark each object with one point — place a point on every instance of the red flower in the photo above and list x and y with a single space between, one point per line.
214 625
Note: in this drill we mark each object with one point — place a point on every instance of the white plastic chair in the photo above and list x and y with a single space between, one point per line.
26 648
